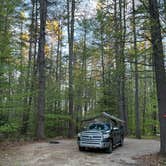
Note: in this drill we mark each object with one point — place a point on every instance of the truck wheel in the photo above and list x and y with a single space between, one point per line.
81 148
110 148
121 141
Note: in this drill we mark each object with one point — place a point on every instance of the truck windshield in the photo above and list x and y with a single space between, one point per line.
99 126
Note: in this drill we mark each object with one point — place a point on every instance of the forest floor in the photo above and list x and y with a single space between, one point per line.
66 153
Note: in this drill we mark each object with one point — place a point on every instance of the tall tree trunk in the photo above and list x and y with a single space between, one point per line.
102 51
122 12
57 102
71 52
120 33
28 90
60 64
117 57
158 60
84 66
41 71
137 113
144 99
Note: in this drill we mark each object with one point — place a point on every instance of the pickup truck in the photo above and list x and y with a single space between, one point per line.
102 135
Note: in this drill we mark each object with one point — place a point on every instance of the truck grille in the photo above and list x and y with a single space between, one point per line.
91 137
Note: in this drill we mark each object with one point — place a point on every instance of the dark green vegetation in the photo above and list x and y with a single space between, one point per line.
61 62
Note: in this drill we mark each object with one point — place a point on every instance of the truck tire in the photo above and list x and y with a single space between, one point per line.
81 148
110 148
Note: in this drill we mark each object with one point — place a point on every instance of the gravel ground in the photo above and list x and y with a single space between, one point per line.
66 154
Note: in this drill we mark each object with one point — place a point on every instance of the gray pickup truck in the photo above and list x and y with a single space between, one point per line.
102 135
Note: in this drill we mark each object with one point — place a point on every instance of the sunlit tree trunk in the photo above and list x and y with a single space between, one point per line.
71 57
29 82
41 71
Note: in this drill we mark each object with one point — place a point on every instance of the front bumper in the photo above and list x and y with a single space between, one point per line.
101 145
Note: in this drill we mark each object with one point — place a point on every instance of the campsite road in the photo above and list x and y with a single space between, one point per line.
66 154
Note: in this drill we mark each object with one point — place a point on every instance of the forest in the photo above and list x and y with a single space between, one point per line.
65 61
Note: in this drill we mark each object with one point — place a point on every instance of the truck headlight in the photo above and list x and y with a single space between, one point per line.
106 135
79 134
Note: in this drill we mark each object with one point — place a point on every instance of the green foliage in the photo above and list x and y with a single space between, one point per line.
57 117
55 124
9 129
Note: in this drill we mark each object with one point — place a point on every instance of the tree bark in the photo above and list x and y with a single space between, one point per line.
120 33
137 112
84 65
144 99
122 12
117 57
41 71
28 90
158 60
71 52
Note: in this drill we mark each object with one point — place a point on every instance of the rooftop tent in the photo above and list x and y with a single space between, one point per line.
113 118
105 116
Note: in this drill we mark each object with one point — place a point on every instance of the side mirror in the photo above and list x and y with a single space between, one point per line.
115 128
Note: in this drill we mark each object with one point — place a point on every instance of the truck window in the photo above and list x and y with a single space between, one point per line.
98 126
